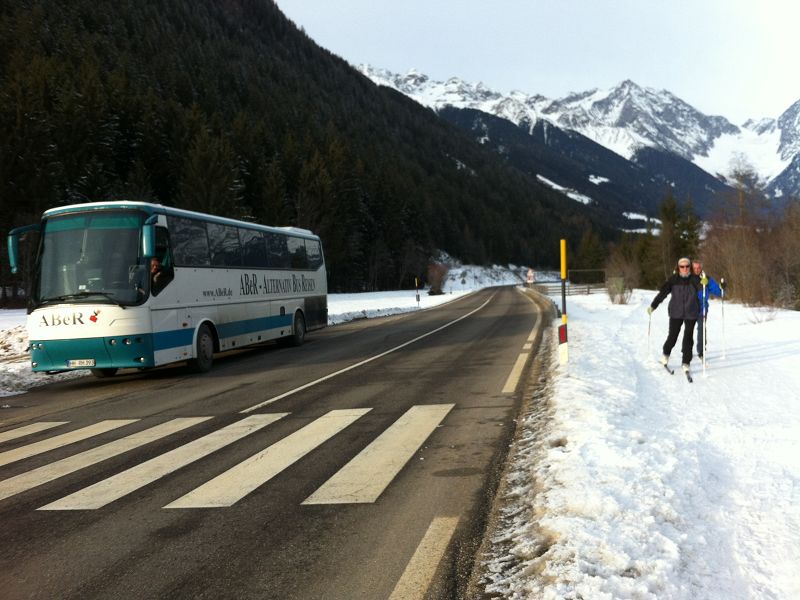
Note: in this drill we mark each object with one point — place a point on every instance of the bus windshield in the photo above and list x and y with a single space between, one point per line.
91 257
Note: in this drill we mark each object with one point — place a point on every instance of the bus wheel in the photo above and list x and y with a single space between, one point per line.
102 373
205 351
298 331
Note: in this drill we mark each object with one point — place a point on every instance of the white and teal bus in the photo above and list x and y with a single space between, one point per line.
101 300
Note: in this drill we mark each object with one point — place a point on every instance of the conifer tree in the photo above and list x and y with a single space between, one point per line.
670 239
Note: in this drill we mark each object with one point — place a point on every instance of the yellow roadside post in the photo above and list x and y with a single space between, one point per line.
563 352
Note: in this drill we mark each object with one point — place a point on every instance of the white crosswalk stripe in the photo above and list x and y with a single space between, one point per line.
19 432
62 440
234 484
365 477
36 477
362 480
113 488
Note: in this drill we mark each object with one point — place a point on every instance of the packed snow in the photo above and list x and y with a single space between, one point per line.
747 150
654 229
568 192
597 179
630 482
640 217
626 481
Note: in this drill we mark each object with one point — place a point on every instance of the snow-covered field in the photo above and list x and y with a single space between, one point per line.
630 482
634 483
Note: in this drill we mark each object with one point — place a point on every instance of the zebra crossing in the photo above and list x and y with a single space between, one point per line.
362 480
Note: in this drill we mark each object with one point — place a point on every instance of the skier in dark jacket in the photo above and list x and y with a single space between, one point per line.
684 309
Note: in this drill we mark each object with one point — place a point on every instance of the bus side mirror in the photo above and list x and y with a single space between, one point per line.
148 240
13 244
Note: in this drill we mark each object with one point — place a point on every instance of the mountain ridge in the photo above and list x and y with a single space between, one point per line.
627 118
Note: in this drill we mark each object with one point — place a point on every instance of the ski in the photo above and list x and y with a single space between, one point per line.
670 371
689 377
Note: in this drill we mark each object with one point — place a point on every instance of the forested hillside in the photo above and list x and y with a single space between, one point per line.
575 161
226 107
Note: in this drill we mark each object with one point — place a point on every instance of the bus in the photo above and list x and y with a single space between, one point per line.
139 285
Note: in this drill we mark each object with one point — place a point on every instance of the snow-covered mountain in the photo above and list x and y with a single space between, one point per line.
788 181
516 107
628 118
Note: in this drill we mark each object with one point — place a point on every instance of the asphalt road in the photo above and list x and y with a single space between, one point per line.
359 465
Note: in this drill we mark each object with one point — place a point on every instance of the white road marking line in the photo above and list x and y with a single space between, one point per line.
29 429
36 477
363 362
419 572
122 484
516 372
365 477
235 483
62 440
532 336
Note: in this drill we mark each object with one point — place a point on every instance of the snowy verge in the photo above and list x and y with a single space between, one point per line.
628 482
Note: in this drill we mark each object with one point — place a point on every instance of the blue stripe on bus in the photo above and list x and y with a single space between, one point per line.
164 340
227 330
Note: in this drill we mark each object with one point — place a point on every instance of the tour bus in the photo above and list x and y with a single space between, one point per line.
135 284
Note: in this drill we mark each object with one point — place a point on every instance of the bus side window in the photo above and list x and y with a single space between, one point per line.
224 245
314 253
254 248
189 242
277 251
297 253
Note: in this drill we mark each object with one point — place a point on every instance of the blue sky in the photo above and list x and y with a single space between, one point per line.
736 58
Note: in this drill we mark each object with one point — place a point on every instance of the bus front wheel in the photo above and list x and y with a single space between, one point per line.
205 351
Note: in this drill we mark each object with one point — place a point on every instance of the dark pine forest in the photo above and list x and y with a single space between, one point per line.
224 106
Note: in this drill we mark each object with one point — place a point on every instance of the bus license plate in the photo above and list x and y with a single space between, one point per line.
81 362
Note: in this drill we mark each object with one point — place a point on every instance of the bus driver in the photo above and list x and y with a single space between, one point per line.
159 276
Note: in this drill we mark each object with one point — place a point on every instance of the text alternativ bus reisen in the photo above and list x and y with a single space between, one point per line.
250 284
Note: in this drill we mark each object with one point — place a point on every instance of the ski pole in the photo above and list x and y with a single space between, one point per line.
703 309
724 344
649 318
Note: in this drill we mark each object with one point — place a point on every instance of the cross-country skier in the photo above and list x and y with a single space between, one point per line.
683 310
711 288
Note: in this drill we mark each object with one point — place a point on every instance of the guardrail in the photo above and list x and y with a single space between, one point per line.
572 289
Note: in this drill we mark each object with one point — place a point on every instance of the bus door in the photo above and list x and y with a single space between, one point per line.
172 324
